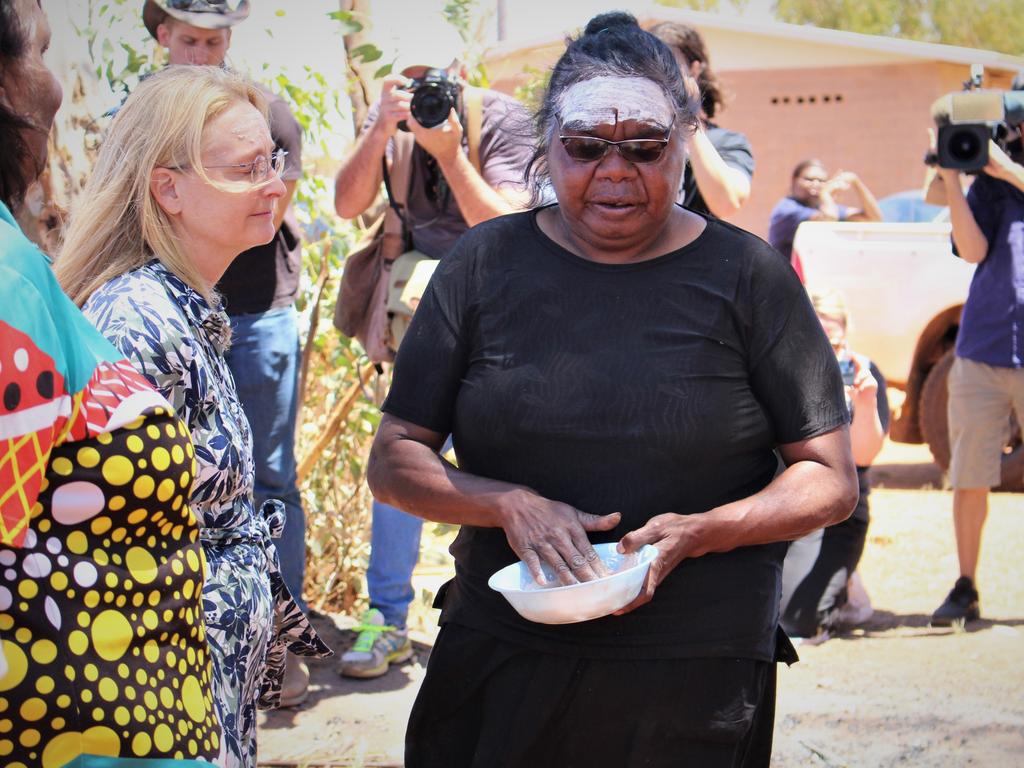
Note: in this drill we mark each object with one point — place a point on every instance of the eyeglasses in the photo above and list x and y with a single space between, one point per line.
259 167
590 149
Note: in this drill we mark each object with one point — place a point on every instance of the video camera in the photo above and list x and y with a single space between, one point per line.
433 97
969 119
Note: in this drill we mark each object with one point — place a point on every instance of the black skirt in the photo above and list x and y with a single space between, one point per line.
486 703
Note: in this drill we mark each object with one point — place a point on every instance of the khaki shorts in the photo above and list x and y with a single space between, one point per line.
981 398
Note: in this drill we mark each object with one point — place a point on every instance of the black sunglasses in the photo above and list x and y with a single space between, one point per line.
590 149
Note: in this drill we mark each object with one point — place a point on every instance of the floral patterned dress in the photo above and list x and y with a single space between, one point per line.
176 340
103 652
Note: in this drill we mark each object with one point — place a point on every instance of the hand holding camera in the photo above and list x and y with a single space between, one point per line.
971 123
861 385
434 95
1000 165
395 104
426 107
443 141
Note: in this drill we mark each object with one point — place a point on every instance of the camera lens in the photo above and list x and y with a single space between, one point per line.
964 145
431 105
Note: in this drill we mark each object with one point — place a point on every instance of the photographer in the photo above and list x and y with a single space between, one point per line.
446 196
811 198
720 162
441 163
821 592
986 381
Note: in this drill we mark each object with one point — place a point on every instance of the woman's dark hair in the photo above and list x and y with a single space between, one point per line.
690 44
803 165
13 42
612 45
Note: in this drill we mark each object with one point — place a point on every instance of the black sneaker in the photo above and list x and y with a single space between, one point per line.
960 605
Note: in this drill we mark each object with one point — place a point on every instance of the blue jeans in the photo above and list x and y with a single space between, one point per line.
394 552
264 358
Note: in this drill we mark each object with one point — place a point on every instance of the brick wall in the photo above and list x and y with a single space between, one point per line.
869 119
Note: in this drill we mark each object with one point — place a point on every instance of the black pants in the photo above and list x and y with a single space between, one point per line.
490 704
814 576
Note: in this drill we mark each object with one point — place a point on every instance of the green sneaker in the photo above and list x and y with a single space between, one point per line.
376 648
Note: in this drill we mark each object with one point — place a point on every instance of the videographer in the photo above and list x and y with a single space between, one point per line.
445 197
986 381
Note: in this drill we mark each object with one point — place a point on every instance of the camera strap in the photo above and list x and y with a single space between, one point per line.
402 156
473 98
391 195
401 161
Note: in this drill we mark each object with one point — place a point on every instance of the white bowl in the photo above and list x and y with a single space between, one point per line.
566 604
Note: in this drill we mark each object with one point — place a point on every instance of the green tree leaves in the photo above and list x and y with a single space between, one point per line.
996 25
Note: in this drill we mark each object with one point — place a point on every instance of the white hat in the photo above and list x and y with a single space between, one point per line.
205 14
434 43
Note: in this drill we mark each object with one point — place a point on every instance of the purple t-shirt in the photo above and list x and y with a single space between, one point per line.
992 327
789 214
506 143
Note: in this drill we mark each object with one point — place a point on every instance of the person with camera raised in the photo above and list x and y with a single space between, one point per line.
427 102
447 194
812 198
821 592
986 381
720 163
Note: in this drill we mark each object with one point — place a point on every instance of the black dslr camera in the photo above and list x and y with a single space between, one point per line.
969 119
433 97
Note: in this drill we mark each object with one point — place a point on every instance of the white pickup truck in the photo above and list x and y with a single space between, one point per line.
905 291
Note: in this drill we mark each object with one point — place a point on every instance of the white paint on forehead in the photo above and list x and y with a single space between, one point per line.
610 99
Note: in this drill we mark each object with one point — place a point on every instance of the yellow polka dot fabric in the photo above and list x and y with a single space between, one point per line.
101 610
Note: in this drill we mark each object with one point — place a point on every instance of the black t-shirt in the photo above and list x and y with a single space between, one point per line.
660 386
267 276
734 148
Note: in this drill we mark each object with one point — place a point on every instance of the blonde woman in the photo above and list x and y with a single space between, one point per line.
186 180
821 591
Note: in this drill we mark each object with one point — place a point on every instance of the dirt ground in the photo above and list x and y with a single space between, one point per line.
892 693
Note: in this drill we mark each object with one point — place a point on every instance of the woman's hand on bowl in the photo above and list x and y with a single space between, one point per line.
541 530
674 536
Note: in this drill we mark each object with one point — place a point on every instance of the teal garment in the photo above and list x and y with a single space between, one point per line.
35 305
41 330
106 661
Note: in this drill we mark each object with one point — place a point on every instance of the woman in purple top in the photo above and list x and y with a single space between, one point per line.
811 199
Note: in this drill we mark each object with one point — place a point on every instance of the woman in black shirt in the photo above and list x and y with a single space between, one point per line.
613 368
